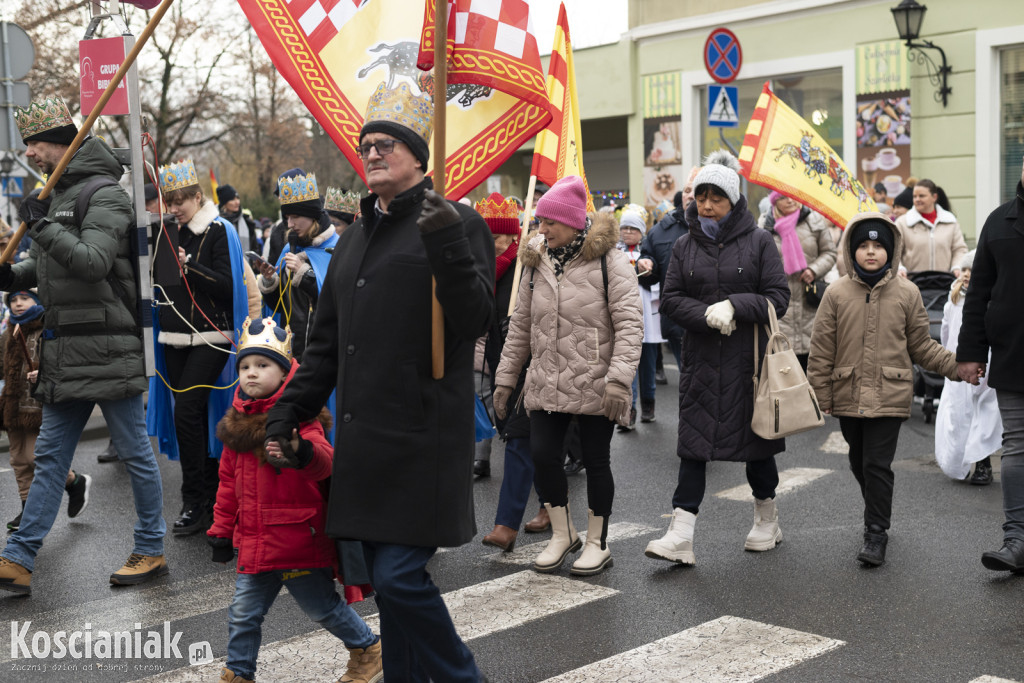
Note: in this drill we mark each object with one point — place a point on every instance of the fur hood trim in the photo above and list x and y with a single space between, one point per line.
601 238
206 214
245 433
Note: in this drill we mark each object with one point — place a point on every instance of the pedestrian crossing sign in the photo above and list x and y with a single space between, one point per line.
723 106
13 187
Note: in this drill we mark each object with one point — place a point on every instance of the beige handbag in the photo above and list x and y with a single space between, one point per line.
784 403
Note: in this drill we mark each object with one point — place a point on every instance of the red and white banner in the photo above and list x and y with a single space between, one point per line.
99 59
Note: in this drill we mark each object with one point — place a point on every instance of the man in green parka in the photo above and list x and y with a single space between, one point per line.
91 350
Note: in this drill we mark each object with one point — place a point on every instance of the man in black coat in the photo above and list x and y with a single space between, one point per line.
992 322
403 465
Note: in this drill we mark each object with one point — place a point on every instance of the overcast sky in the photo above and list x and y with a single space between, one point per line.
591 22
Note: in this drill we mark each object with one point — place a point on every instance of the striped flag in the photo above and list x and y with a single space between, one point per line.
557 152
783 152
213 186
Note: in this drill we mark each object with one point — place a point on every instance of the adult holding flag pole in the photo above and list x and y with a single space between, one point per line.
402 476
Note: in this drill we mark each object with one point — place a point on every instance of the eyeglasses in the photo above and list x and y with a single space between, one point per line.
383 147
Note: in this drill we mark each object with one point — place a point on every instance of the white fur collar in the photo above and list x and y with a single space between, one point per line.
206 214
914 216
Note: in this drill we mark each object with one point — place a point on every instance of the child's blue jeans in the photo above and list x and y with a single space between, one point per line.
313 589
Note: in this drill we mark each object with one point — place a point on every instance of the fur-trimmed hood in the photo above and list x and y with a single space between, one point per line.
601 238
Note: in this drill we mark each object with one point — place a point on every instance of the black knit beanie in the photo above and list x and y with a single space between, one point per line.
417 145
61 135
877 230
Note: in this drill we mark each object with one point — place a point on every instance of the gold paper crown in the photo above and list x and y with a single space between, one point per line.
301 188
399 105
178 175
266 337
489 208
42 116
342 202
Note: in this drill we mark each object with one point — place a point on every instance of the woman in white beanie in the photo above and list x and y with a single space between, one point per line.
723 275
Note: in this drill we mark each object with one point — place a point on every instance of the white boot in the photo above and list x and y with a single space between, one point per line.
677 544
765 533
596 556
564 540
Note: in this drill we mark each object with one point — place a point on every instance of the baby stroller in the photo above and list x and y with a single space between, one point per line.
934 286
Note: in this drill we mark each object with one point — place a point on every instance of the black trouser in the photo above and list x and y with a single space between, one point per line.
872 443
762 475
547 439
194 366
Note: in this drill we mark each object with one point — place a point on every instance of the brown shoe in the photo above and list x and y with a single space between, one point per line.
14 577
229 676
539 523
503 537
364 665
139 568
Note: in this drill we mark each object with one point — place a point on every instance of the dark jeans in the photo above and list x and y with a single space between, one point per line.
418 638
762 475
194 366
1011 409
547 436
515 484
643 381
872 442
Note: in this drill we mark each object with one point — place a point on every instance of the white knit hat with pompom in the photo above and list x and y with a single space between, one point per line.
721 169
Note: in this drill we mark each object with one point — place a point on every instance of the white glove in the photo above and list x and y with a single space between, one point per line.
720 315
729 329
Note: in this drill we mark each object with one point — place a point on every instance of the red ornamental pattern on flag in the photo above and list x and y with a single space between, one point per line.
335 53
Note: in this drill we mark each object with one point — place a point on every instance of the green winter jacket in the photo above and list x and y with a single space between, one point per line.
95 352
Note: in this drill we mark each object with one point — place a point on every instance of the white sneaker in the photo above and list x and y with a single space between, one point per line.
677 544
765 534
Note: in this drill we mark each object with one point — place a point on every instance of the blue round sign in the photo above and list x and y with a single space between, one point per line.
723 55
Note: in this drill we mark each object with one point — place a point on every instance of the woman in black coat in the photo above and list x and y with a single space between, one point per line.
722 276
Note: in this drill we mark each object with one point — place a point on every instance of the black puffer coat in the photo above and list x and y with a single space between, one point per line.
516 424
716 391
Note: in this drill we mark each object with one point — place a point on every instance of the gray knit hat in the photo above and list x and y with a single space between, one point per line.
967 261
720 169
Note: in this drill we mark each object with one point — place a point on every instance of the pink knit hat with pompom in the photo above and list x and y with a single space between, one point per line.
565 202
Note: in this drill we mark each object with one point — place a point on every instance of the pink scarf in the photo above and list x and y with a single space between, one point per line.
793 259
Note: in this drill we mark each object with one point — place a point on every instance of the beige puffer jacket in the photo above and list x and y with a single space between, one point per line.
925 247
578 341
820 252
866 341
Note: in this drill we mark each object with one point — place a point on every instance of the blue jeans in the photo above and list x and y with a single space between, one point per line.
515 484
1011 409
58 437
419 640
313 589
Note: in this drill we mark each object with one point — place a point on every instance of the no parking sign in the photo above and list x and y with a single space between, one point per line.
723 55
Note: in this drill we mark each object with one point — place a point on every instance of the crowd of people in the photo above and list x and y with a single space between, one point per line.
313 470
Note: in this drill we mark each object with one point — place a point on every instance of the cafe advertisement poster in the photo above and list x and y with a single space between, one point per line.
883 116
662 107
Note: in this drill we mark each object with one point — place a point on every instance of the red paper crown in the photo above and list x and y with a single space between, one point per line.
501 215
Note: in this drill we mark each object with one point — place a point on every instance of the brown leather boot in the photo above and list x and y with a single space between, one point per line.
364 665
14 577
503 537
542 522
229 676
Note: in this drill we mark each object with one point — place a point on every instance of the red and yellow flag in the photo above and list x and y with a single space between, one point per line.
213 186
557 151
335 53
783 152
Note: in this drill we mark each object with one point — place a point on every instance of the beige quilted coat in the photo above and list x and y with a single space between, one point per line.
577 340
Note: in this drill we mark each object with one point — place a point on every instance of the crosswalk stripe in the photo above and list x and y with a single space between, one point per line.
993 679
789 481
477 611
835 443
4 469
526 554
725 649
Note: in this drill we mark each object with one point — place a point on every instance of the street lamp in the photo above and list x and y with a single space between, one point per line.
909 16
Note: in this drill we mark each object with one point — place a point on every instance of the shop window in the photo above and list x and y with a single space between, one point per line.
1012 108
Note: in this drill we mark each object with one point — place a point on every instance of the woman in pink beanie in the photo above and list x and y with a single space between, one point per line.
578 315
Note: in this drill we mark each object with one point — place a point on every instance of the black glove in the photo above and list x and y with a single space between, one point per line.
222 550
296 459
6 277
436 213
33 209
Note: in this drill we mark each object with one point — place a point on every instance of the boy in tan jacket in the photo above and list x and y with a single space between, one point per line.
870 329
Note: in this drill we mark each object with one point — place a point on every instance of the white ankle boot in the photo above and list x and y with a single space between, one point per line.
677 544
765 533
596 556
564 540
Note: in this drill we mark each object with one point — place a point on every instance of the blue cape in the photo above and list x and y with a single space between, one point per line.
160 410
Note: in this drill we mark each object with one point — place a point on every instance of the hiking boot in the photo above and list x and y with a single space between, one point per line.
982 473
647 410
1009 558
193 518
229 676
15 523
873 552
542 522
139 568
765 534
78 494
14 577
108 454
677 543
364 665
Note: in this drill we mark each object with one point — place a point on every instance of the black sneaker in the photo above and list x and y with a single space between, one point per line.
982 473
78 494
482 468
15 523
647 410
572 465
873 552
193 518
109 454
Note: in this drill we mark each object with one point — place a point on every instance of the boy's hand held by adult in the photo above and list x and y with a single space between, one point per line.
970 372
436 213
295 453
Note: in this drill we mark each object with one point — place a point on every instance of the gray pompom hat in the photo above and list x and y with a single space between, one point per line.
720 169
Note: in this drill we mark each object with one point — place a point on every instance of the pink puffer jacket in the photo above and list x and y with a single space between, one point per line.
577 339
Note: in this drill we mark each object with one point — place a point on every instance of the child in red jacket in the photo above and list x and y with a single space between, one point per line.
271 506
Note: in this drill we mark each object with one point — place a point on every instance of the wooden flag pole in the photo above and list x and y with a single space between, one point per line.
440 96
51 182
524 230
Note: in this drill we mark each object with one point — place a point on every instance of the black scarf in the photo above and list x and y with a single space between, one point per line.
561 256
871 279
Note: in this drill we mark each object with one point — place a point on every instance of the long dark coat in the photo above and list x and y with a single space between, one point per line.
992 318
716 391
403 463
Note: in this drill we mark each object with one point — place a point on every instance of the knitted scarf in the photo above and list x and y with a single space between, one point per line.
28 315
505 259
793 259
562 255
